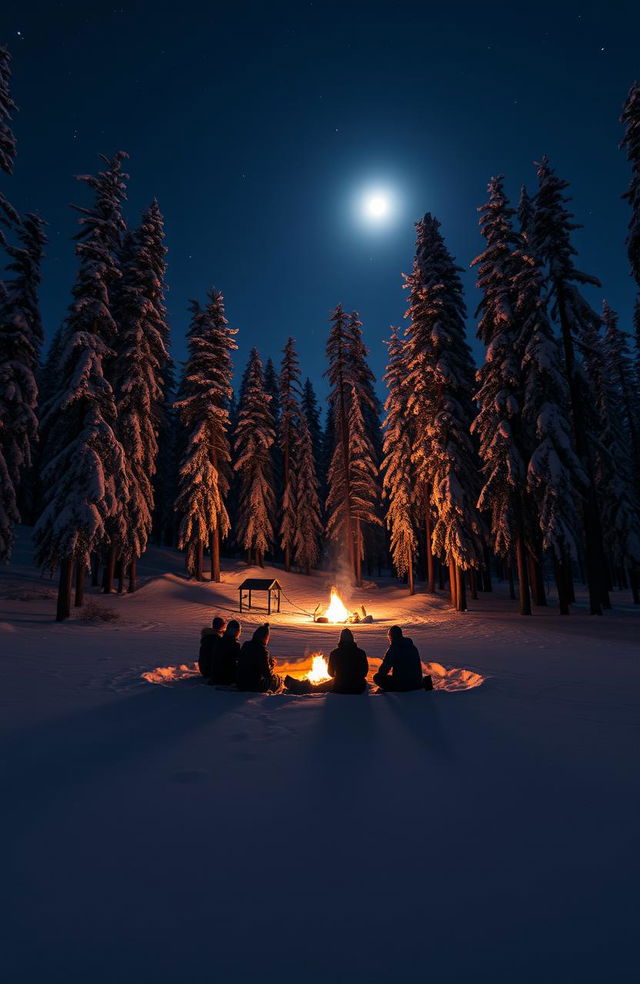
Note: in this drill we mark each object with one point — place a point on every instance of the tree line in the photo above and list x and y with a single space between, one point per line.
530 462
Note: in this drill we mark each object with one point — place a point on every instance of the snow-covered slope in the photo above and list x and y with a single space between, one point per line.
177 833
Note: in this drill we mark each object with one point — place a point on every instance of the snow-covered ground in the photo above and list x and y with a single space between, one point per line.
168 832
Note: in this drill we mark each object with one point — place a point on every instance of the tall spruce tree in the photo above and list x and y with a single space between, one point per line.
619 369
21 340
631 143
203 406
139 375
551 242
441 385
255 436
398 475
307 526
555 478
84 469
611 463
311 410
503 440
289 420
352 498
372 535
8 147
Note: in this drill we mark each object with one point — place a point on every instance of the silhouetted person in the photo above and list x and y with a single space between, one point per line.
347 666
224 662
401 669
255 665
209 640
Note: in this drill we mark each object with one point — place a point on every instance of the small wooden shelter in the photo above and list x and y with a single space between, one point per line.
251 584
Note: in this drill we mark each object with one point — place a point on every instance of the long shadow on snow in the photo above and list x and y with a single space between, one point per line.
40 764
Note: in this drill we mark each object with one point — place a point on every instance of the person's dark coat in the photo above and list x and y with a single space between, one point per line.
209 642
401 668
255 668
348 665
224 661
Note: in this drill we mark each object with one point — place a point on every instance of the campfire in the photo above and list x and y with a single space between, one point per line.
337 612
319 670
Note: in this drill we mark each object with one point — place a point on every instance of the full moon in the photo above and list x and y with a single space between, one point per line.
376 205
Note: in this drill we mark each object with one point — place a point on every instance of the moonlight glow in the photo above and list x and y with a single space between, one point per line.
377 206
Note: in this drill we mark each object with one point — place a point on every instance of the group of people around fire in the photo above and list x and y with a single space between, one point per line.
250 667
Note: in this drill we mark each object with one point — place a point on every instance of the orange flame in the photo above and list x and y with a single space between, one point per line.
336 612
319 670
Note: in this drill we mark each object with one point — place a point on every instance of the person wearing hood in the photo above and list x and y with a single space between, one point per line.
347 666
224 661
255 665
401 668
209 640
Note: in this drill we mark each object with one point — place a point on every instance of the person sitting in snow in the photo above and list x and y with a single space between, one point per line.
255 665
224 660
347 666
209 640
401 668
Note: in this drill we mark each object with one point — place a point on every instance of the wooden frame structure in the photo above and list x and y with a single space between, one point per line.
251 584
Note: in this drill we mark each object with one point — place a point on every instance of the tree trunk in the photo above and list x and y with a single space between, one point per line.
199 561
64 590
474 584
80 578
431 574
133 571
461 589
412 589
120 574
214 548
512 587
536 575
635 586
95 569
109 568
523 577
440 575
453 584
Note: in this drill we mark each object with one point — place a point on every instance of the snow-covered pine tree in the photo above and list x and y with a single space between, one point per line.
555 478
631 142
311 410
328 443
272 389
398 476
107 225
255 436
339 520
525 211
203 406
21 340
609 450
441 386
551 242
139 375
619 370
288 422
84 471
7 108
503 443
372 536
307 527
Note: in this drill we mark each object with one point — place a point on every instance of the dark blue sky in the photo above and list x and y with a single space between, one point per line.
255 124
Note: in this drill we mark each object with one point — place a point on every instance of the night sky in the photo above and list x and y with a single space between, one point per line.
256 126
